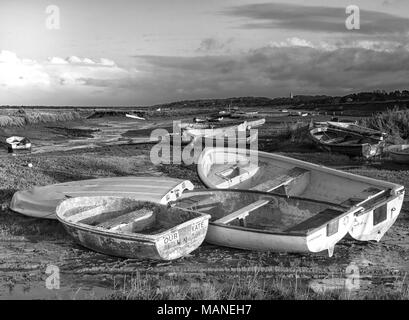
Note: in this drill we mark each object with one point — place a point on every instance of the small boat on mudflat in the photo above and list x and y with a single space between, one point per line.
40 202
399 153
353 127
346 142
132 229
379 202
255 220
16 143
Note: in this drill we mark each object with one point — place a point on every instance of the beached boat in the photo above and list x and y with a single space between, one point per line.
198 120
346 142
188 125
132 229
379 202
237 135
214 119
16 143
353 127
399 153
255 220
255 123
40 202
241 114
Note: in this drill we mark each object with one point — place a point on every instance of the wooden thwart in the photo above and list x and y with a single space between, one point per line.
281 180
131 217
316 221
242 213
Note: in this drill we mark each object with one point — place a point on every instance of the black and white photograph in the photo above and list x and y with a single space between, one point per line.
186 150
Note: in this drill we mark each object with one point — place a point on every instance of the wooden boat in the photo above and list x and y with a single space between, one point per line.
132 229
399 153
40 202
346 142
255 123
187 125
231 136
353 127
216 131
379 202
16 143
215 119
255 220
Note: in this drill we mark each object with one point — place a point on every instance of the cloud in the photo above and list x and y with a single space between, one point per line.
54 78
317 19
275 70
212 45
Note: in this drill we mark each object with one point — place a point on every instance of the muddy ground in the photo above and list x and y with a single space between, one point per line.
29 246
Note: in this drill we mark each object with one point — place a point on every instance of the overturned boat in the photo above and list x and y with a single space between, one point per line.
132 229
255 220
378 202
41 202
347 142
399 153
16 143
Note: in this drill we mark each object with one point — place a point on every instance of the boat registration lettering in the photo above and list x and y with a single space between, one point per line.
196 227
170 238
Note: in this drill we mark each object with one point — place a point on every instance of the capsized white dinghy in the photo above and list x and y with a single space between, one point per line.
255 220
379 201
41 202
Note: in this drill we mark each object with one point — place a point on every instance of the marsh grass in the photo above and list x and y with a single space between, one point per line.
251 286
395 122
22 117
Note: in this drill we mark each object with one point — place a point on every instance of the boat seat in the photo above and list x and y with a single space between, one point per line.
126 219
236 174
290 176
316 221
242 213
368 194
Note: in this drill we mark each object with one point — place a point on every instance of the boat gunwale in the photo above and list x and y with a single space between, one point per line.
131 236
320 168
355 145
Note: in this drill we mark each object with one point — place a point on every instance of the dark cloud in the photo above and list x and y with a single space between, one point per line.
322 19
275 72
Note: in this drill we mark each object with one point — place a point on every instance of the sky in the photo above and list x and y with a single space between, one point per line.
144 52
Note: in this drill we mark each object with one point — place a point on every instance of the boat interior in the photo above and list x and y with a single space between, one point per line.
262 211
125 215
238 171
341 137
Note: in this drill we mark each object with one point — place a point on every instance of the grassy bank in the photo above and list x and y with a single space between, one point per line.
22 117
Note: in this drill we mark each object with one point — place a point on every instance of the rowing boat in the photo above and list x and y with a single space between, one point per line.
132 229
16 143
40 202
346 142
379 202
263 221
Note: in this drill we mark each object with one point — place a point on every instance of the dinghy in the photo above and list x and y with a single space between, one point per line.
399 153
353 127
16 143
346 142
379 202
255 123
255 220
132 229
40 202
